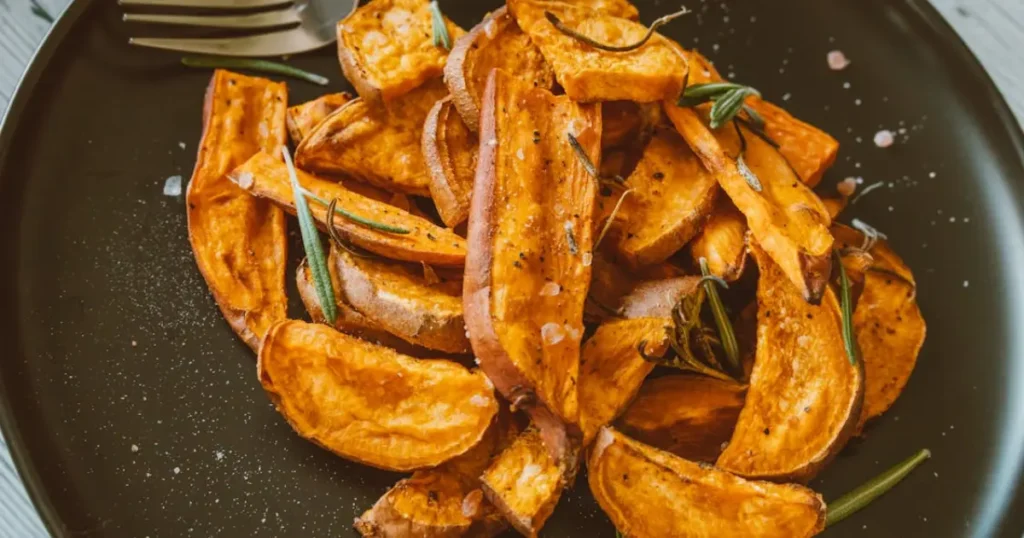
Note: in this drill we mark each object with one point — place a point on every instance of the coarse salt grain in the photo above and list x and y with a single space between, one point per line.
550 289
966 283
587 259
847 186
172 186
520 155
837 61
552 333
884 138
135 448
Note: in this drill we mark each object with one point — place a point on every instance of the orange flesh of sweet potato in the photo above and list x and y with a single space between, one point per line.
371 404
623 122
379 146
239 240
691 416
808 149
495 43
649 493
805 397
722 242
530 227
386 48
450 152
426 242
524 482
647 74
786 218
301 119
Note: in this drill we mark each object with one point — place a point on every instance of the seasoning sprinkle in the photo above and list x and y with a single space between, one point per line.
311 244
846 306
853 501
725 333
440 29
253 64
659 22
355 218
570 238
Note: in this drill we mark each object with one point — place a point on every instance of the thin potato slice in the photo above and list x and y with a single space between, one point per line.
237 239
450 151
805 397
723 242
808 149
691 416
648 493
379 146
495 43
785 217
371 404
652 72
386 48
303 118
525 482
426 242
526 281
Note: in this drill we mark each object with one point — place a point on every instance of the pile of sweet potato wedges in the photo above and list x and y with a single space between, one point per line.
529 300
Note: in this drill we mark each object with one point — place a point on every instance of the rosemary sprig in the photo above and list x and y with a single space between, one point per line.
846 306
570 238
356 218
611 218
727 98
253 64
659 22
339 241
311 244
725 333
441 37
588 165
686 326
853 501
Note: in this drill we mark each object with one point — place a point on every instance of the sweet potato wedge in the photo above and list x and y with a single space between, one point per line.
655 298
386 48
450 152
808 149
652 72
525 482
369 403
495 43
649 493
624 122
379 146
301 119
426 242
526 279
238 240
805 397
722 242
691 416
785 217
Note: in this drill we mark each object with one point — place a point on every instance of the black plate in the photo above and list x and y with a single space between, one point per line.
132 410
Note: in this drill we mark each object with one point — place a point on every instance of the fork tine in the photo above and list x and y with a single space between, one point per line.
237 4
272 44
255 20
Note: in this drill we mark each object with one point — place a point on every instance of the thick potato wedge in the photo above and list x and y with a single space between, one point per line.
652 72
691 416
648 493
369 403
625 122
386 48
426 242
237 239
722 242
616 8
525 482
301 119
450 152
379 146
495 43
526 279
786 218
671 195
805 397
808 149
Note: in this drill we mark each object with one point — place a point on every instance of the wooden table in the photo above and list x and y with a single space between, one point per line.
994 29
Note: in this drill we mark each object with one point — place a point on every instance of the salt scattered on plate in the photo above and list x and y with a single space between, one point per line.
172 186
837 61
884 138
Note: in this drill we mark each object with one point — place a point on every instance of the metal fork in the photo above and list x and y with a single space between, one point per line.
313 25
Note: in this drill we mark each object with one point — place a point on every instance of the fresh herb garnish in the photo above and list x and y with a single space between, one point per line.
611 217
727 98
725 333
846 306
853 501
687 330
570 238
253 64
339 241
311 244
441 37
588 165
659 22
356 218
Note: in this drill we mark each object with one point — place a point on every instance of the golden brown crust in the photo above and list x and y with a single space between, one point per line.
625 122
808 149
369 403
525 482
238 240
722 242
648 493
450 152
302 118
426 242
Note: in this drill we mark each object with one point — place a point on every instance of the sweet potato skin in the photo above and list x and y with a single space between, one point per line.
357 399
239 241
805 397
450 153
525 482
426 242
722 242
648 493
302 118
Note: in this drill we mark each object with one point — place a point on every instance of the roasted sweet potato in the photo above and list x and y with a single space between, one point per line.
386 48
619 292
616 8
495 43
805 395
450 152
303 118
379 146
656 298
808 149
649 493
785 217
624 122
238 240
691 416
650 73
526 279
723 242
369 403
425 242
525 482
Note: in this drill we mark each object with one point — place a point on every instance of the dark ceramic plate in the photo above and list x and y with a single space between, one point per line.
133 410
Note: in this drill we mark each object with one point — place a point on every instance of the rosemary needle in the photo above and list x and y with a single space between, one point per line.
588 165
311 244
725 332
846 306
611 218
253 64
440 29
356 218
853 501
659 22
